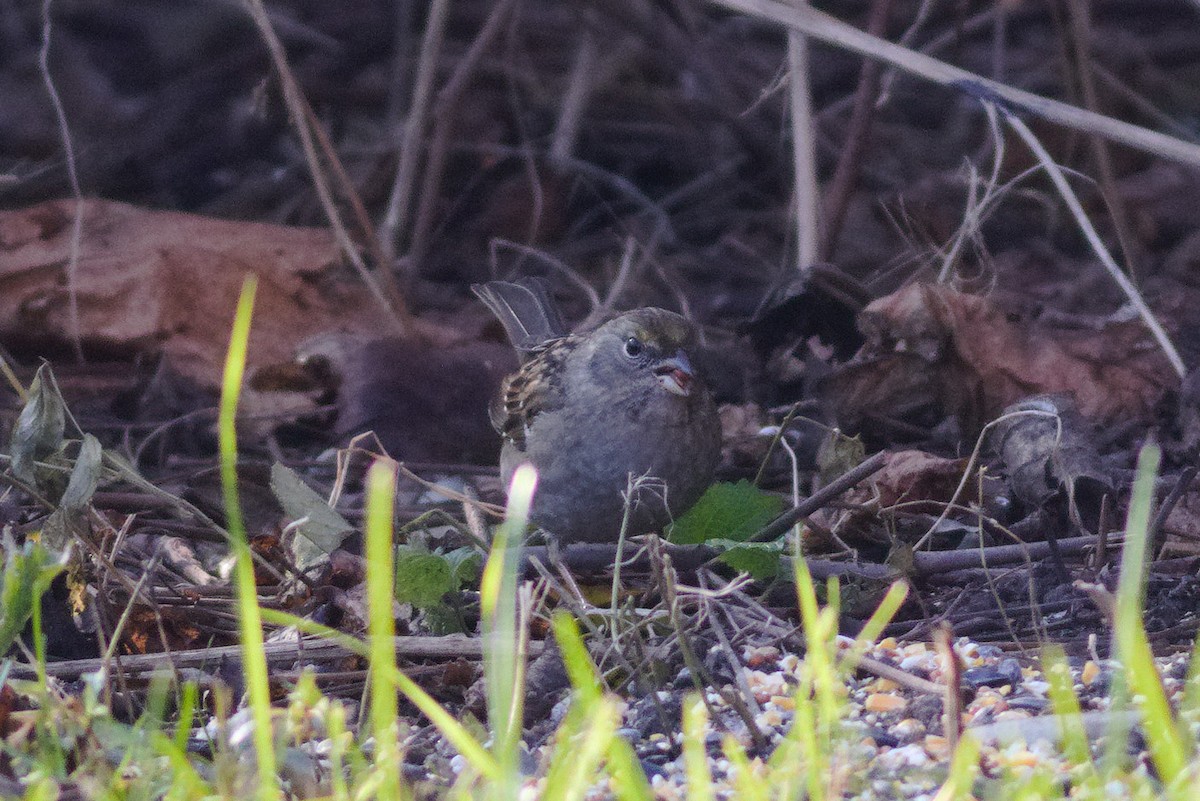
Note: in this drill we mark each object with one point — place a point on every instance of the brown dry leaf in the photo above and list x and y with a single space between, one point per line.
934 345
741 427
917 476
155 280
910 476
922 481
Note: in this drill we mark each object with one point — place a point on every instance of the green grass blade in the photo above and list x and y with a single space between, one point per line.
964 765
254 660
502 659
575 658
338 741
875 625
580 745
1163 739
381 624
629 780
746 785
454 732
695 755
1075 744
189 697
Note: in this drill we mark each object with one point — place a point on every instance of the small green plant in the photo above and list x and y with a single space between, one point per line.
726 517
27 573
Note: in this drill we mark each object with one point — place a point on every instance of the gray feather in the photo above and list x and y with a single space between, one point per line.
525 309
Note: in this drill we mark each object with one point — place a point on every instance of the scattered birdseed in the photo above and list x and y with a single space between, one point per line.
891 743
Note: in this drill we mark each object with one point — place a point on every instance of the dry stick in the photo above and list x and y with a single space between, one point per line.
294 100
742 700
597 558
394 219
932 562
14 383
447 647
579 87
60 115
1115 84
961 29
1168 505
1085 225
1079 24
369 238
444 109
804 157
610 180
398 81
819 25
905 679
818 499
837 197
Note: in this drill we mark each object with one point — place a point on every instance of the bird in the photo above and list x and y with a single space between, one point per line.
599 411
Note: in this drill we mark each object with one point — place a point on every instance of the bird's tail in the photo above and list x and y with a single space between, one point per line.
525 309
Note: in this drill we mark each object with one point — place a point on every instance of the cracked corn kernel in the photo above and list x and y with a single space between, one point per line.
882 686
883 702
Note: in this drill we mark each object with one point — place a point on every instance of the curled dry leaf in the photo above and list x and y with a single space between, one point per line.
931 346
1047 449
924 482
154 280
910 476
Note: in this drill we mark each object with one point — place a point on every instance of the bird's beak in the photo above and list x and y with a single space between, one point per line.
676 374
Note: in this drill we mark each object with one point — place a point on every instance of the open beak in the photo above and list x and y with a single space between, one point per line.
676 374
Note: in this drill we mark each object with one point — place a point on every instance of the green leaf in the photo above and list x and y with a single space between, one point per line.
39 428
422 578
323 528
727 511
85 476
466 563
443 620
63 523
759 559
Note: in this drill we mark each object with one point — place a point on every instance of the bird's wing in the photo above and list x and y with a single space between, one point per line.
535 388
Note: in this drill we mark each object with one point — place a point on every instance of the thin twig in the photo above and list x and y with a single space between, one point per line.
776 528
1079 25
804 156
445 110
1089 231
369 238
845 176
296 104
74 329
1154 535
391 231
579 87
822 26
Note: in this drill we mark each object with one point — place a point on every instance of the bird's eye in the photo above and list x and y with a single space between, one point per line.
634 347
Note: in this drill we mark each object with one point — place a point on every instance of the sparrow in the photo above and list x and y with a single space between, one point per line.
615 419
